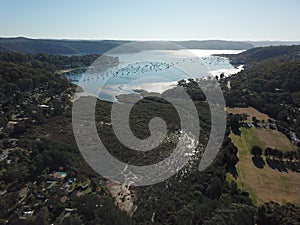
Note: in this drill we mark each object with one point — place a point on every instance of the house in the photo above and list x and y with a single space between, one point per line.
294 138
59 175
13 142
40 197
50 184
43 106
246 124
277 89
11 124
2 193
3 157
25 212
62 175
84 187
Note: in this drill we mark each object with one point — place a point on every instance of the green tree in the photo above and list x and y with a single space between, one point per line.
215 188
256 151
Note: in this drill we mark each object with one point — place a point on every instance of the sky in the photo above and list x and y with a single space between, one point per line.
151 19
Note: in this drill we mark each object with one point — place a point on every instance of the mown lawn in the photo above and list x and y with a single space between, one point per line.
264 184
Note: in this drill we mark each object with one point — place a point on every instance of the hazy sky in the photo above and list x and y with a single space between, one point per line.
152 19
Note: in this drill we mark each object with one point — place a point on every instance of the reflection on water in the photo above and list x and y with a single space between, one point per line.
153 71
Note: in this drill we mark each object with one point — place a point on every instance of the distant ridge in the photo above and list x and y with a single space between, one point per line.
254 55
33 46
272 43
216 44
52 46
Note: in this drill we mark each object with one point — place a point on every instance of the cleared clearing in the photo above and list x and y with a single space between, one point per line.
251 112
264 184
265 138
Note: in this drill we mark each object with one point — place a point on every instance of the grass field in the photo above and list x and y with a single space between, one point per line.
251 112
264 138
264 184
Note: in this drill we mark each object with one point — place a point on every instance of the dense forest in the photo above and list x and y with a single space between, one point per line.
42 173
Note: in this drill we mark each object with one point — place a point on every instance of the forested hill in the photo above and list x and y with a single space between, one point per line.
255 55
269 83
42 171
33 46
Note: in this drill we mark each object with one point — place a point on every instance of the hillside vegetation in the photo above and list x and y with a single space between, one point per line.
52 46
42 169
271 86
268 166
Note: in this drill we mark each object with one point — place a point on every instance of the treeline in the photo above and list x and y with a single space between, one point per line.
52 62
273 153
35 46
275 214
278 154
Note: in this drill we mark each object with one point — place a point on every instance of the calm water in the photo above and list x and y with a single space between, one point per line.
153 71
